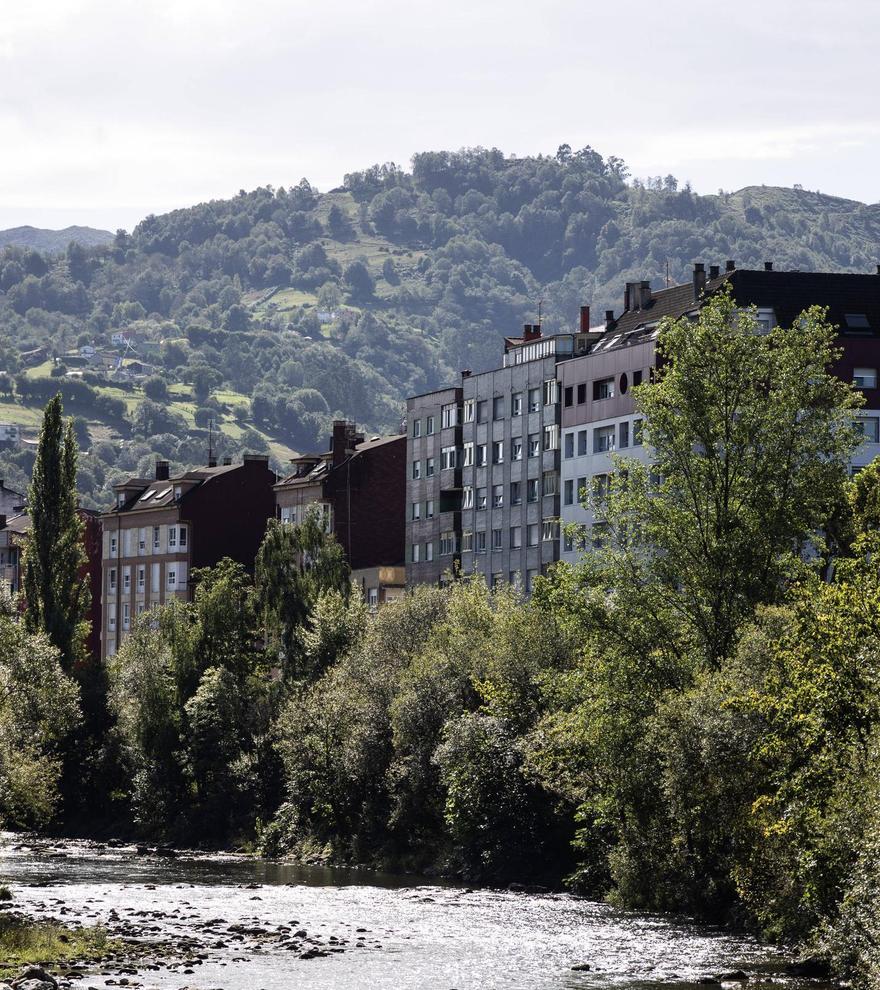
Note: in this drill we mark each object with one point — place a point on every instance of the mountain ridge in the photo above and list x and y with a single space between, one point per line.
51 241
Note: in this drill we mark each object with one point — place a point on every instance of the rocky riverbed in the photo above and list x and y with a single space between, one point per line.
235 923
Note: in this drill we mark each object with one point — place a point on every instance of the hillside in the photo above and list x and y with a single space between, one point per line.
276 310
53 241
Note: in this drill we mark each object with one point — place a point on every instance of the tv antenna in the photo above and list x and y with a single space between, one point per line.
210 440
540 308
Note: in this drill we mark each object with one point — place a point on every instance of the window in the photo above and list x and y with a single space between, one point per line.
601 483
416 553
534 445
582 393
551 437
567 541
603 389
373 598
550 483
126 579
141 578
551 392
865 378
481 498
416 470
289 514
532 534
568 491
112 577
467 497
171 577
496 539
429 508
178 491
569 445
497 496
182 537
429 551
766 319
481 455
603 440
516 493
581 489
515 537
497 579
498 452
417 428
498 407
531 574
550 530
481 541
516 404
416 512
449 458
857 322
514 578
467 540
624 435
142 540
429 467
448 543
481 411
516 446
141 608
155 537
450 415
429 426
534 400
637 377
470 410
112 546
582 442
468 454
568 396
120 498
532 486
126 615
869 427
637 432
172 537
155 583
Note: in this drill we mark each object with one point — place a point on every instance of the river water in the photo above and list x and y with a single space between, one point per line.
250 921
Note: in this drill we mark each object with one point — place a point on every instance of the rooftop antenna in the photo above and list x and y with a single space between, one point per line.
540 307
667 273
211 440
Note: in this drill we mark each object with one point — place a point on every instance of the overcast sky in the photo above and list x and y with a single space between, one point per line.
112 109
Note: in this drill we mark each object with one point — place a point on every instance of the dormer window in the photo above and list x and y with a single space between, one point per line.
120 499
857 323
178 491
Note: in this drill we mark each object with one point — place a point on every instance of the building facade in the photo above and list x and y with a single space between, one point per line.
160 529
483 477
358 487
599 417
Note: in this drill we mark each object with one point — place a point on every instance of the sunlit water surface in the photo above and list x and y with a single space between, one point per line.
418 935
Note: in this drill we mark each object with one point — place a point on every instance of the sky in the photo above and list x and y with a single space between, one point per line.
110 111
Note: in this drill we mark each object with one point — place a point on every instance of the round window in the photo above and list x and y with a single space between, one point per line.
624 383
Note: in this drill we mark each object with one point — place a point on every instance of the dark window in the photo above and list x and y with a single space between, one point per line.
624 383
568 398
582 393
637 377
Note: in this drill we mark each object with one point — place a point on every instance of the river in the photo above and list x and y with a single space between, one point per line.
251 922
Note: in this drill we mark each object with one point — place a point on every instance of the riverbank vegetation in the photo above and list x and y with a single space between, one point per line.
687 720
24 942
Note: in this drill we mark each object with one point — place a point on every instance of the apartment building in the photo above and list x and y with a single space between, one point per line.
358 486
160 529
599 417
483 482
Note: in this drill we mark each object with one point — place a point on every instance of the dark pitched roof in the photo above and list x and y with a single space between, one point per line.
787 293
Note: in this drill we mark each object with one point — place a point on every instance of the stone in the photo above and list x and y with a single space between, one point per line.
735 976
581 968
33 975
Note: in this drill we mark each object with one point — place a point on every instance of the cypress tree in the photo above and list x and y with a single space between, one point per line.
57 597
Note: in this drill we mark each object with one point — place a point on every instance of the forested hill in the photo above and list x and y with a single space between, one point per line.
53 241
316 304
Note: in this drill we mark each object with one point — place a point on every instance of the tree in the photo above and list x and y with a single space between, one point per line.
359 281
295 564
752 437
156 388
57 598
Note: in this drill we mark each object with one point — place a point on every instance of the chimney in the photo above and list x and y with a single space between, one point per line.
645 294
227 461
730 266
699 280
609 318
255 460
878 272
531 331
585 318
2 521
466 373
212 462
627 296
714 271
768 266
161 470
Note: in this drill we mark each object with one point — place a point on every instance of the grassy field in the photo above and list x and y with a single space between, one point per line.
24 943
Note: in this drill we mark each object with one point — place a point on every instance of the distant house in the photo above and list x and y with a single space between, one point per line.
10 438
11 501
33 357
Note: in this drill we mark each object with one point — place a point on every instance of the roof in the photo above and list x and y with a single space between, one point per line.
158 493
787 293
323 469
19 524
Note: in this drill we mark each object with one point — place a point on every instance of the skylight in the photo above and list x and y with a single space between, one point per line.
148 494
857 321
163 493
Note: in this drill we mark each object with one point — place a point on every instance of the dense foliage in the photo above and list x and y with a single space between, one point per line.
310 305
